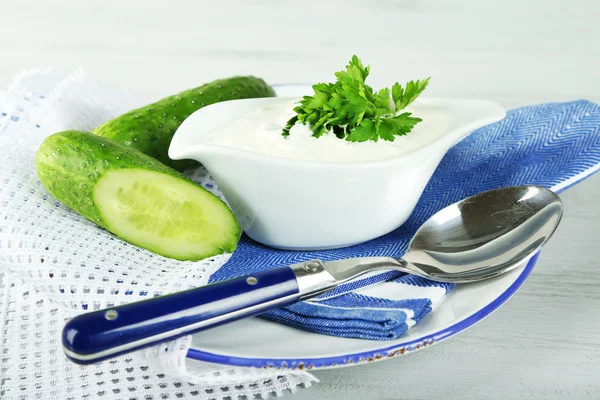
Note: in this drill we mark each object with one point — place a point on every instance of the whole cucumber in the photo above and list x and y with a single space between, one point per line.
151 128
135 196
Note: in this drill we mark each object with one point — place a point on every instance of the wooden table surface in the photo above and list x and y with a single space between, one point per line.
545 342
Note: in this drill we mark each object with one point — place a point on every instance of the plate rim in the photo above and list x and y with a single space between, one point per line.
382 353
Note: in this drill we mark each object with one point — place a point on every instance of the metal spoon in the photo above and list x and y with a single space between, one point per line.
477 238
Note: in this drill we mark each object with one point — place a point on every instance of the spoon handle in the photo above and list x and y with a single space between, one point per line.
103 334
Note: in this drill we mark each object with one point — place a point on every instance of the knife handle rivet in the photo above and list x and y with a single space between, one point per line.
251 280
312 266
111 315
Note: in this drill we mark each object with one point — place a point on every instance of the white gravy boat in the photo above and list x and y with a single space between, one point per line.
307 205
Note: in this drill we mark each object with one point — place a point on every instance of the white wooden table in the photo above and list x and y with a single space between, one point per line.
545 342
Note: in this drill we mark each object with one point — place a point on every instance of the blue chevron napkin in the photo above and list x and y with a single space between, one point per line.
554 145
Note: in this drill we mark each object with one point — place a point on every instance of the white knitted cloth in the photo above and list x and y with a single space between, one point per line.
55 264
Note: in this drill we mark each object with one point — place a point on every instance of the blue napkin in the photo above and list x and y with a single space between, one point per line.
554 145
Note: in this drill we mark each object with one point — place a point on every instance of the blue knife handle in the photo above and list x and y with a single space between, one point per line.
103 334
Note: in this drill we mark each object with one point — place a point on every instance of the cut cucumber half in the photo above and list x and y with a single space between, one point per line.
165 214
135 196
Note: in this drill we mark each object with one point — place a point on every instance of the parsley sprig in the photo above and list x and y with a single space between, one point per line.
353 111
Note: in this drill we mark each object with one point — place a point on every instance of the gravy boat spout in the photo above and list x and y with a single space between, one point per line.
191 134
309 205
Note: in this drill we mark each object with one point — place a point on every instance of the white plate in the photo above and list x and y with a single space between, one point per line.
258 343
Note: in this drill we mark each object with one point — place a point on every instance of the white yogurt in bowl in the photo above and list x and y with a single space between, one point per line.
311 193
259 131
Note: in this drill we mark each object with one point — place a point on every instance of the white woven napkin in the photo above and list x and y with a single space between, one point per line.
54 264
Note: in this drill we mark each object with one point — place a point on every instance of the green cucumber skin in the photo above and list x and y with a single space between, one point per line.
70 163
151 128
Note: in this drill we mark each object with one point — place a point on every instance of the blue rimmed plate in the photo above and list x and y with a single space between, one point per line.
258 343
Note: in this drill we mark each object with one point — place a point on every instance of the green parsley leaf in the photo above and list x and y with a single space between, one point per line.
362 132
399 125
403 97
382 101
353 111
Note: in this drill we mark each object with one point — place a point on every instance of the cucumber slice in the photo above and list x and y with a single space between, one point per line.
164 214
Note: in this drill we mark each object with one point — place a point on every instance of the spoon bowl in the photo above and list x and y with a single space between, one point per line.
485 235
477 238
